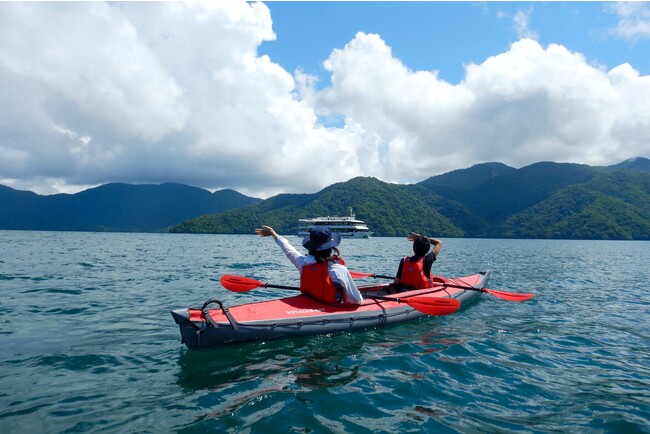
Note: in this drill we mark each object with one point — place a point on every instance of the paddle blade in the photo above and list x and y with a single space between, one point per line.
433 305
510 296
360 275
239 283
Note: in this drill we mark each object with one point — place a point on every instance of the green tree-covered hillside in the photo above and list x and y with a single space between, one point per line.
613 206
389 210
543 200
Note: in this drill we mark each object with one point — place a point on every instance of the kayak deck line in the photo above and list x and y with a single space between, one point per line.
300 315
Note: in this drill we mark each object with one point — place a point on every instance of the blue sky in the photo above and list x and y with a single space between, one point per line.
444 36
290 97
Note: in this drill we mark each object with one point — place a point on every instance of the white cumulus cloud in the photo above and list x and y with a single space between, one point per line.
522 25
176 91
78 87
155 92
530 103
633 19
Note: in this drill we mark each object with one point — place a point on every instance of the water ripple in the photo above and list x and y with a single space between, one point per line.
88 343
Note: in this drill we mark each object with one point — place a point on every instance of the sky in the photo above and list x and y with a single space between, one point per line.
290 97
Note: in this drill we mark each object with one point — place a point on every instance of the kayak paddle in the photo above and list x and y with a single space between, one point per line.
359 275
429 305
245 284
504 295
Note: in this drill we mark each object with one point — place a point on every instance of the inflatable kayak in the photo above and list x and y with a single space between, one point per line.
214 324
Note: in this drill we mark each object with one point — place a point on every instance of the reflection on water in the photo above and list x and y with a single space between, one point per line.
312 363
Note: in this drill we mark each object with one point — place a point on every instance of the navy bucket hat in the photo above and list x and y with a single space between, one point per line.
321 238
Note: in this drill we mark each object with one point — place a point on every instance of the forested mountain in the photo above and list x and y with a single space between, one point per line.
638 164
543 200
611 206
387 208
472 177
114 207
509 190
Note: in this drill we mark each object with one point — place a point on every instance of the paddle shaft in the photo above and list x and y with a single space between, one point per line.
270 285
446 285
422 303
382 276
295 288
504 295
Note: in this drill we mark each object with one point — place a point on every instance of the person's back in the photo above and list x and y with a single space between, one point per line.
415 271
411 272
316 279
323 274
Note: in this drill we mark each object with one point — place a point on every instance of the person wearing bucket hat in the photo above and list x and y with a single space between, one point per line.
323 274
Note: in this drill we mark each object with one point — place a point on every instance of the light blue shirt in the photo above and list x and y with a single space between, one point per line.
338 273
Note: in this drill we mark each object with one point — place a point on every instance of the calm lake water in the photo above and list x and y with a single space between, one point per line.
87 343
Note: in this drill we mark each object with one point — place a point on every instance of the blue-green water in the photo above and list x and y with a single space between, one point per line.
87 343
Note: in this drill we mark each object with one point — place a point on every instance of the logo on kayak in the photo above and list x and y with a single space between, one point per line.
301 311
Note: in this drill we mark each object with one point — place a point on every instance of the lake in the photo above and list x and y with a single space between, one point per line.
88 343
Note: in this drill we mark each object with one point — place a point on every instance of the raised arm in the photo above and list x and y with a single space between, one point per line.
437 245
296 258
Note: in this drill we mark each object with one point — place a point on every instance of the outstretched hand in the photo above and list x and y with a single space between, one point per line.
266 231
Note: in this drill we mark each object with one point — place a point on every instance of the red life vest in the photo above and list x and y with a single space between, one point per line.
413 274
315 280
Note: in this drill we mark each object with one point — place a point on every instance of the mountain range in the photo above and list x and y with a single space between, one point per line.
542 200
114 207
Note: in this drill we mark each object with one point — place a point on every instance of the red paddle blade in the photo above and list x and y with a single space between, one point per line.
433 305
510 296
360 275
239 283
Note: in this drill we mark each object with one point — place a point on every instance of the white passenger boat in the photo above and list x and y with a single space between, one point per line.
348 227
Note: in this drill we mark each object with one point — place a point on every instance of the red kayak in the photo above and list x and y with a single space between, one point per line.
214 324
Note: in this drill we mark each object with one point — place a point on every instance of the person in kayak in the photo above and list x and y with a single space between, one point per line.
323 274
415 271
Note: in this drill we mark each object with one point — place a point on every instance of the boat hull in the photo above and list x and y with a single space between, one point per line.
214 325
347 227
353 234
